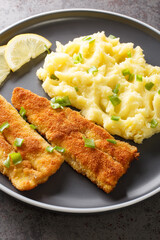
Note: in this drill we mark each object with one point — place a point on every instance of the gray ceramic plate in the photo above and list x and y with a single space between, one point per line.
68 191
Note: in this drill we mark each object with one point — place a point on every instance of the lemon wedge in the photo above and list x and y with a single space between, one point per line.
23 47
4 69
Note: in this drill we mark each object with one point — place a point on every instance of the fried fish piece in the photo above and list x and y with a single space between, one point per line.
103 165
37 164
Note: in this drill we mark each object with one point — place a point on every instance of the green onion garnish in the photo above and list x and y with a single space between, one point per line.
18 142
22 112
89 39
131 77
111 36
4 126
114 100
115 118
112 141
59 149
89 142
154 123
7 162
139 78
77 58
47 49
16 158
159 92
129 54
56 105
33 126
76 88
92 70
149 85
54 77
125 72
49 149
63 101
116 89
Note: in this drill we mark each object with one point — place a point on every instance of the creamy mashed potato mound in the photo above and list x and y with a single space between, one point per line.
110 82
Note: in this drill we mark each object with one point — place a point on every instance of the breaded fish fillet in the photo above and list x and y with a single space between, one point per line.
103 165
37 164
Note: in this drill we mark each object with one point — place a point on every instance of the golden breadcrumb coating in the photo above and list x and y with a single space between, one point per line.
103 165
37 164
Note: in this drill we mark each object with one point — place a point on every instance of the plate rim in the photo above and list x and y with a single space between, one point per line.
69 209
76 210
81 10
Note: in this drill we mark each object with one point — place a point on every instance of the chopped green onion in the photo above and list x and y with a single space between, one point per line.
139 78
125 72
116 89
47 49
129 54
149 85
16 158
131 77
7 162
92 70
89 142
114 100
4 126
57 100
59 149
89 39
33 126
112 141
159 92
18 142
56 105
115 118
154 123
63 101
22 112
111 36
76 88
77 58
49 149
54 77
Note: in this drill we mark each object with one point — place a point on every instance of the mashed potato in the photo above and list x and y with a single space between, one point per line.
109 81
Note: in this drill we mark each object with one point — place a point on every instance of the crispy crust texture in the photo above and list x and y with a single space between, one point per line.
103 165
37 164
